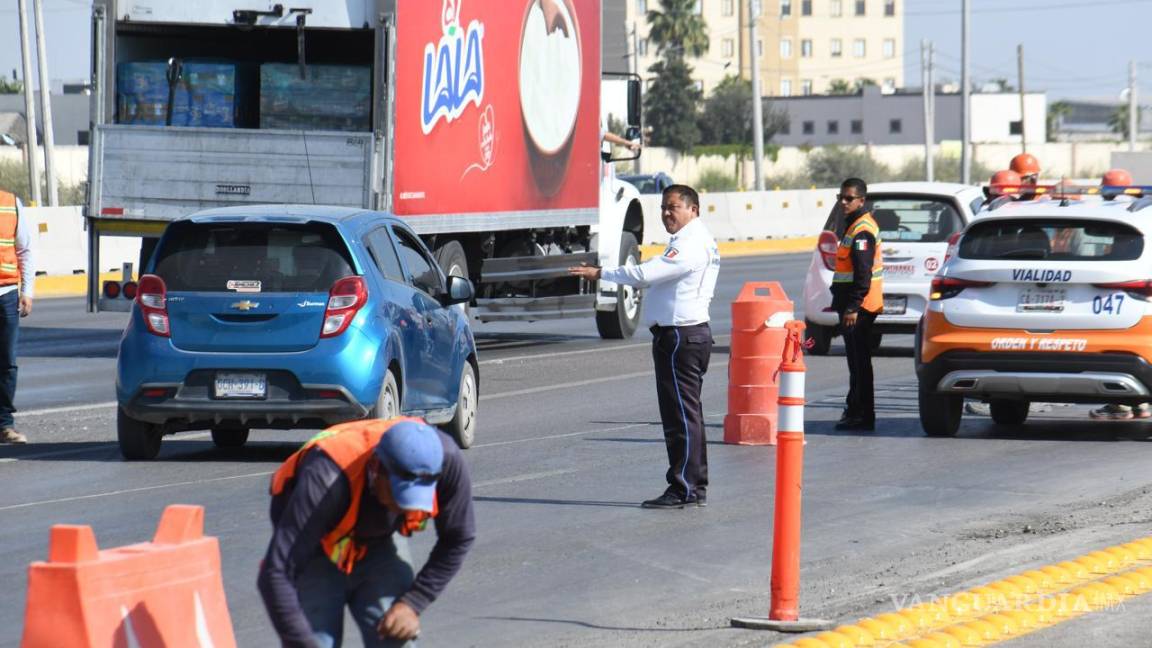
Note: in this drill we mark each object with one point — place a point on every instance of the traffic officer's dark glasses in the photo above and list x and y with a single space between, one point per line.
843 198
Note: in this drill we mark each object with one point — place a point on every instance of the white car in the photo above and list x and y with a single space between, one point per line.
1043 300
916 220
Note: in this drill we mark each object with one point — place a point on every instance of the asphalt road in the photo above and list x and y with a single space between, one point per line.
569 442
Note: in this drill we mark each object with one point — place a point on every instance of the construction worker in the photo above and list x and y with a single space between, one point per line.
1116 411
342 509
1028 167
858 297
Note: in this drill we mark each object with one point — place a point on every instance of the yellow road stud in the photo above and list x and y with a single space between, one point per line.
1044 581
879 630
945 640
858 634
1005 625
835 640
988 631
965 635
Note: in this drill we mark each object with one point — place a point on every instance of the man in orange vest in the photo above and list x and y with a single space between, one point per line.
858 297
17 277
342 509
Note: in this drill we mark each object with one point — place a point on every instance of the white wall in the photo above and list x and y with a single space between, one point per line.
991 114
70 162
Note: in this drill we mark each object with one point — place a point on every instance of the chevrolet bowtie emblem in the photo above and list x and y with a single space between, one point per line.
888 252
245 305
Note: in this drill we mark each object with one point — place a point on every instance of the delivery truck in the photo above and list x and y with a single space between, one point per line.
479 122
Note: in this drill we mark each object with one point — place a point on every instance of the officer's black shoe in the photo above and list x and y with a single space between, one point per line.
665 501
846 417
700 499
857 424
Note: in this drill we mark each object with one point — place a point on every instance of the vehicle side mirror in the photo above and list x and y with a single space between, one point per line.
459 291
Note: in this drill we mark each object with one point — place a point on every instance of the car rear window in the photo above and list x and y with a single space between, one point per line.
1055 239
282 257
913 219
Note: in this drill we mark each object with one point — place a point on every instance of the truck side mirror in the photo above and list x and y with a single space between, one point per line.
634 104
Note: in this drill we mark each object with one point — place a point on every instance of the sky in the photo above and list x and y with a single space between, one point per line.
1072 48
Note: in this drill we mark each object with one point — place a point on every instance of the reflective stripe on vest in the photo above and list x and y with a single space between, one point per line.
350 445
874 300
9 263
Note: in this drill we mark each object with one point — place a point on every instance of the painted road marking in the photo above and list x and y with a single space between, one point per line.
1008 608
127 491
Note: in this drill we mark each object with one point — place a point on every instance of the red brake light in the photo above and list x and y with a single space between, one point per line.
953 243
346 297
946 287
1142 287
152 299
826 245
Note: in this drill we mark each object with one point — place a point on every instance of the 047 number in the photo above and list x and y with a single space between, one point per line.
1110 304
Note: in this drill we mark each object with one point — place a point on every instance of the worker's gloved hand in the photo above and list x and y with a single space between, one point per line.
399 622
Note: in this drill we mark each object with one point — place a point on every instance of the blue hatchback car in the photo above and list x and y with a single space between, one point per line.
292 317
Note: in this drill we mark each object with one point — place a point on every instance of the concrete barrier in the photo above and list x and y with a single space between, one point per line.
750 215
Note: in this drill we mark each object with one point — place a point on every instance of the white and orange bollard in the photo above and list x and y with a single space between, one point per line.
784 613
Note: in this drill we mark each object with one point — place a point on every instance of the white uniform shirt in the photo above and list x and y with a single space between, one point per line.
24 229
679 282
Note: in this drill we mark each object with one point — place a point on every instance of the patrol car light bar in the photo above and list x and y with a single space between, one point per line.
1071 191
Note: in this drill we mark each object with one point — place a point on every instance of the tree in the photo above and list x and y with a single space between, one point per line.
829 166
10 87
727 115
860 84
677 29
1119 121
670 105
840 87
1057 111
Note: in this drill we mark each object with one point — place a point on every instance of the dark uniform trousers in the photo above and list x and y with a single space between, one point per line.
680 355
858 347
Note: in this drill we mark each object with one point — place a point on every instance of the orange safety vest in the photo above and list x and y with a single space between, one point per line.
9 264
874 300
350 445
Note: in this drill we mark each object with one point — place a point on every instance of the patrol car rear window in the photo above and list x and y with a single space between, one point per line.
907 218
1055 240
205 257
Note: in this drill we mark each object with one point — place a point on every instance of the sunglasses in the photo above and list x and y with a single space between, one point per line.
843 198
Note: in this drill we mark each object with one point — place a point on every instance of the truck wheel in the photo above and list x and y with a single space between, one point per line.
819 336
462 427
1008 412
139 441
621 323
940 413
229 437
388 403
452 260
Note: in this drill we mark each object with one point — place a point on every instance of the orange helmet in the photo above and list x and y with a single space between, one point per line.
1116 178
1025 164
1005 177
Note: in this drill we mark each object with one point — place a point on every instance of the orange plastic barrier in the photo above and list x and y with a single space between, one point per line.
168 592
758 317
789 478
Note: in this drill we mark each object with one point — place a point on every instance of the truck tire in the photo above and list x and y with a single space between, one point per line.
452 259
229 437
940 413
139 440
1008 412
819 336
621 323
388 402
462 427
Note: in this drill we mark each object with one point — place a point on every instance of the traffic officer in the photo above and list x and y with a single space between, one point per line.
342 509
679 284
858 297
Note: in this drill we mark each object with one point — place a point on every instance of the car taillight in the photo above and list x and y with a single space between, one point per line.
153 301
1139 287
946 287
826 245
346 297
953 243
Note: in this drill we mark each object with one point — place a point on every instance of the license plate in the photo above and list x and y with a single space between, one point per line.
241 385
1049 300
895 305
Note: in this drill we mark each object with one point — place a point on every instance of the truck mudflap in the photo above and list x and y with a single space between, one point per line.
534 288
162 173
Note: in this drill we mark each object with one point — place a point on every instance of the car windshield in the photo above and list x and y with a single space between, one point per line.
645 184
256 257
905 218
1052 239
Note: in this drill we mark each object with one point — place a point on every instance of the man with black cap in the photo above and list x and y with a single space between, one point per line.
342 509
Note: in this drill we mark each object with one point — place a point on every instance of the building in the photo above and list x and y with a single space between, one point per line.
1092 119
876 117
803 46
69 118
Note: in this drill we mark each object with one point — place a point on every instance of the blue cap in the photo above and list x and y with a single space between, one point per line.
413 456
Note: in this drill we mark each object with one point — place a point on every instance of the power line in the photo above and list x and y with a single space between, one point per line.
1030 8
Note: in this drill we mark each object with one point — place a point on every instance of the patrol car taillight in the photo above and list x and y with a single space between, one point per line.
346 297
946 287
826 245
152 298
953 242
1139 288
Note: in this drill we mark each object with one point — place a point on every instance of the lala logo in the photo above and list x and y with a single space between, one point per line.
453 69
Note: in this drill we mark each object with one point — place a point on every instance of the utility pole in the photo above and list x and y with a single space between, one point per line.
757 106
965 98
1023 113
1133 106
635 69
926 81
46 104
29 109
